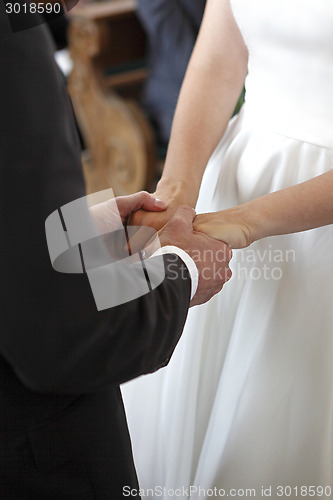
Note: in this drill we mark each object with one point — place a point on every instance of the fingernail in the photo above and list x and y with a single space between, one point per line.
160 203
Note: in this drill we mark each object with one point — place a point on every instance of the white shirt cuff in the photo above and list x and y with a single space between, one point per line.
188 261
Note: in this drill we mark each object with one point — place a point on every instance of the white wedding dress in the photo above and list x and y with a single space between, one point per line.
247 399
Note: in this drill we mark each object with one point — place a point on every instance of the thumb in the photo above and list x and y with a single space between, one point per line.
151 203
133 202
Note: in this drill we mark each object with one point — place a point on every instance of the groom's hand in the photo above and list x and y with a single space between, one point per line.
210 256
112 214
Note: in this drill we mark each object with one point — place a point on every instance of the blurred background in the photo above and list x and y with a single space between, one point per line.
124 62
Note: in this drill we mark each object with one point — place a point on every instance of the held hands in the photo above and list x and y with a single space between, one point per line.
106 215
175 226
230 226
173 195
113 214
210 256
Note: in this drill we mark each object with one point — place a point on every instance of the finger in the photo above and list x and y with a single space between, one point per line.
133 202
216 243
223 246
184 215
140 237
153 204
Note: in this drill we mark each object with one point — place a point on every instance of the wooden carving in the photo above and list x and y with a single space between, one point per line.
118 137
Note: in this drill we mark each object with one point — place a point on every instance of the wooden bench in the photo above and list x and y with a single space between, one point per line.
107 45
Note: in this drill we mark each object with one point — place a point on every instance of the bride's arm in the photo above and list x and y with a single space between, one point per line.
298 208
211 88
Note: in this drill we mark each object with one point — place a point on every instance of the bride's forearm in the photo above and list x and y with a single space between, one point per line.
298 208
210 91
198 126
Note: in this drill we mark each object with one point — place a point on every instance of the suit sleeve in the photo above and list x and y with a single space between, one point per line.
52 335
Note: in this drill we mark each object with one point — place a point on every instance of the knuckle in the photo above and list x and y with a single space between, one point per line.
229 252
186 208
225 249
172 224
145 195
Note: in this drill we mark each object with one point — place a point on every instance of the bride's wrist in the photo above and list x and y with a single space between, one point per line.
246 217
179 191
253 221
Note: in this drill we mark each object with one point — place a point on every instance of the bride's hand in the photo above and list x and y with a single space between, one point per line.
229 226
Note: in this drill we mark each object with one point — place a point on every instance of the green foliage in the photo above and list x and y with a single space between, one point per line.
240 102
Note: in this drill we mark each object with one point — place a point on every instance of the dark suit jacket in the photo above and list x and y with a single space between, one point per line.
63 432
